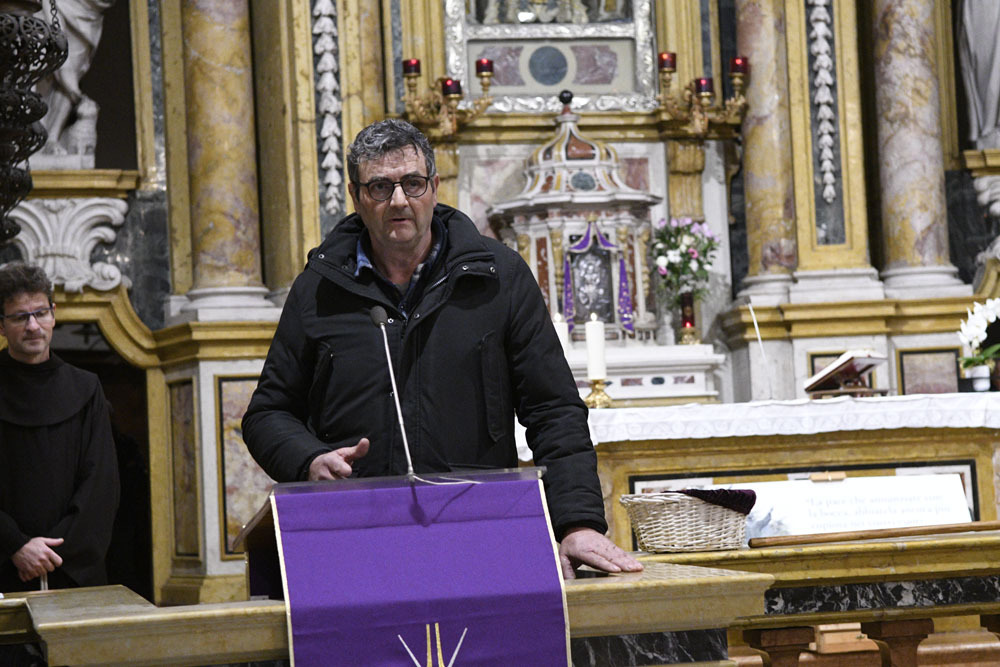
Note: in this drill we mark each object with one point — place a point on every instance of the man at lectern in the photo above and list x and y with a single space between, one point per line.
469 337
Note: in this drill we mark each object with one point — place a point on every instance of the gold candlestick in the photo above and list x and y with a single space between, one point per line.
597 397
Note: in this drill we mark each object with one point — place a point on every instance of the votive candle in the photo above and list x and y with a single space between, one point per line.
596 366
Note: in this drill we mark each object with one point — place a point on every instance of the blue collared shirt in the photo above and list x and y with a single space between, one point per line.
416 284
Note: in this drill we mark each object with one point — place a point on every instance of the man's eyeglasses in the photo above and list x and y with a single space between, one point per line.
42 316
382 189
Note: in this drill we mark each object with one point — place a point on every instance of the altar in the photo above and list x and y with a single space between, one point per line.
683 610
646 448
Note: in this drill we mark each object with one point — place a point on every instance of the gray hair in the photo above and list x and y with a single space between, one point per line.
20 278
386 136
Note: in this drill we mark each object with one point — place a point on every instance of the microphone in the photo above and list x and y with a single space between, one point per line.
380 319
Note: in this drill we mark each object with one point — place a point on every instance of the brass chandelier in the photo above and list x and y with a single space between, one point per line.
30 49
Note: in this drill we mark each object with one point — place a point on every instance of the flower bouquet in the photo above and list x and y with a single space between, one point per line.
972 333
682 251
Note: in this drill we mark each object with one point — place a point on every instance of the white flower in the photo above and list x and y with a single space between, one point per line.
694 265
674 256
661 261
991 309
974 327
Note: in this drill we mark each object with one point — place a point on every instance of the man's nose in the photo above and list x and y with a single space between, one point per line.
398 196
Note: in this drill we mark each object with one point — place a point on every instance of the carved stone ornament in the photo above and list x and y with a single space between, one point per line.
458 32
60 235
326 50
823 81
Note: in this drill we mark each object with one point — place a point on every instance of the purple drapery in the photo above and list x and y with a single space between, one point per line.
383 571
625 309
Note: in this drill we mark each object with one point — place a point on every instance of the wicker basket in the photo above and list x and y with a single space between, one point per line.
668 521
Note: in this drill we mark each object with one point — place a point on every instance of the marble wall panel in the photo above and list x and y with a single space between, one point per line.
654 648
184 460
928 371
244 484
545 67
882 595
595 64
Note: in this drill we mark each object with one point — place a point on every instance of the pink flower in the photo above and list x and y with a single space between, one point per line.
674 223
662 270
686 221
693 252
662 223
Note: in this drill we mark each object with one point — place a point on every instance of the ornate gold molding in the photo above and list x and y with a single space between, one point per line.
980 162
175 124
114 315
114 183
142 88
686 162
853 253
944 43
289 185
857 318
207 341
618 461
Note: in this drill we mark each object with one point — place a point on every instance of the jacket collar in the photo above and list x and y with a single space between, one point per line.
338 252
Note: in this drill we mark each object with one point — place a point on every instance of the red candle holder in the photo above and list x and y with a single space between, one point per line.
451 86
687 310
668 61
704 85
484 66
411 66
739 65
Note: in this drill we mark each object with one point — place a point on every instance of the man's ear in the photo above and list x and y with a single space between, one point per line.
353 190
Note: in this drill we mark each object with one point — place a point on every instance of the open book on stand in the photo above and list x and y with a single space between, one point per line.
845 375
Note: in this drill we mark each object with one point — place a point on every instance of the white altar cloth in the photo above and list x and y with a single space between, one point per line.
797 417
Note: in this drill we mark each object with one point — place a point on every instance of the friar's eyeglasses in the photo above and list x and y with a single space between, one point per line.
42 316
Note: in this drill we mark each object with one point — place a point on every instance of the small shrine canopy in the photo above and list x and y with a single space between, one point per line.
572 169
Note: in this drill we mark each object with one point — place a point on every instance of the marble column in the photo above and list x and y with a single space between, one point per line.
222 165
767 158
911 164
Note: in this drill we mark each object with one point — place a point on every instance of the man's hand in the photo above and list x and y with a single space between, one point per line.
36 557
337 464
584 545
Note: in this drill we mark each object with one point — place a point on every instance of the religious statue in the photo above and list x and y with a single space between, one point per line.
72 118
980 62
979 58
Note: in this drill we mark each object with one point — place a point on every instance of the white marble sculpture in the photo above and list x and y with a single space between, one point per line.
60 235
979 55
72 118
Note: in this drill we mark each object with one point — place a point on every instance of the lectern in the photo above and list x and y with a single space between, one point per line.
443 569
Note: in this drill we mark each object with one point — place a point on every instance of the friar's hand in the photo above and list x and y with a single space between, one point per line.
337 464
586 546
36 557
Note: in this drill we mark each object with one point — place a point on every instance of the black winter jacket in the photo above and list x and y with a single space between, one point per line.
477 346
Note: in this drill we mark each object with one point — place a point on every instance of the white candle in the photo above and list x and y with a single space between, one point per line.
562 331
596 368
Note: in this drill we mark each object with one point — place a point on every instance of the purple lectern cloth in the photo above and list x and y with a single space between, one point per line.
369 568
